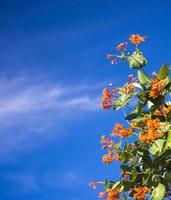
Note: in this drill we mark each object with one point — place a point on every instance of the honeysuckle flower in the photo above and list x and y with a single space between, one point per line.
93 185
136 39
101 194
127 88
107 142
121 46
140 192
113 62
107 101
157 87
112 194
163 110
120 131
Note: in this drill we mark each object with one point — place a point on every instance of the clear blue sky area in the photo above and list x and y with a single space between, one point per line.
52 71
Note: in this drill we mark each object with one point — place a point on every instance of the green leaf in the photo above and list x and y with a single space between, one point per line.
159 192
164 71
134 175
136 60
122 101
143 77
124 156
168 142
131 116
168 176
142 96
157 146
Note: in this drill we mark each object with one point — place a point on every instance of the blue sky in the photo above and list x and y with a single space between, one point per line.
52 71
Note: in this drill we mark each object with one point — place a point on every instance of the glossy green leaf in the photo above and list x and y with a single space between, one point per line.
131 116
142 96
122 101
168 141
134 175
143 77
137 60
157 146
159 192
164 71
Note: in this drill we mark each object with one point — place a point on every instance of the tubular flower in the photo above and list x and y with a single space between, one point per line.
120 131
112 194
150 136
136 39
107 142
93 185
128 88
107 100
157 87
151 131
140 192
134 125
108 158
163 111
121 46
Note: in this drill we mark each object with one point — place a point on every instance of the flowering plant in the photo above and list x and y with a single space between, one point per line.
144 147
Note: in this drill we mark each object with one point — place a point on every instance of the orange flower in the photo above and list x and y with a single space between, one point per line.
134 125
108 142
120 47
112 194
127 88
107 159
107 100
93 185
136 39
151 131
120 131
157 87
163 111
140 192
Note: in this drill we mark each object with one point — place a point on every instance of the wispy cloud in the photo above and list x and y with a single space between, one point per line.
29 108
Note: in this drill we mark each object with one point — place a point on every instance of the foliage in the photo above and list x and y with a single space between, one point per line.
146 162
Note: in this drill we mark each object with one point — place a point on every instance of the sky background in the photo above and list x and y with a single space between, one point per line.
52 72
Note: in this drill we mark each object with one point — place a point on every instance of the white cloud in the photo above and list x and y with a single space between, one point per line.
31 112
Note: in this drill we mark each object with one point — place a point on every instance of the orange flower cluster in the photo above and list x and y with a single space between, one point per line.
157 87
107 101
127 88
134 125
136 39
120 131
108 158
151 131
163 111
140 192
110 194
108 143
